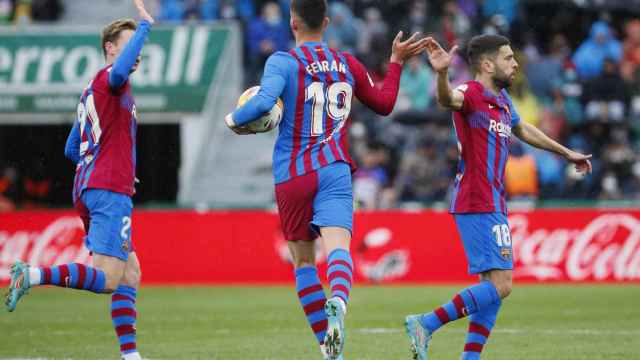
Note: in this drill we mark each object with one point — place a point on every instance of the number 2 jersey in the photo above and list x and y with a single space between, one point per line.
317 85
483 128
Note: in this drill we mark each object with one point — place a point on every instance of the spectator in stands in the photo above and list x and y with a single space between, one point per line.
415 93
372 177
455 23
344 29
37 185
527 104
9 189
521 174
605 96
240 9
567 94
507 9
265 35
424 173
631 48
22 12
374 30
171 10
601 45
207 10
632 187
543 73
418 18
550 170
6 11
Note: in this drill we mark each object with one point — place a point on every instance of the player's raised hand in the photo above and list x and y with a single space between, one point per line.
142 11
581 161
403 50
438 57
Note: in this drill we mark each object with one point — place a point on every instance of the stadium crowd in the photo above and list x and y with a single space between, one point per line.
579 82
583 89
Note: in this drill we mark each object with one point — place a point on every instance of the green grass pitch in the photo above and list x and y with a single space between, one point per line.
551 322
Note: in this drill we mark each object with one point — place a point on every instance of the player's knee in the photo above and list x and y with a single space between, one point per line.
111 282
504 288
132 277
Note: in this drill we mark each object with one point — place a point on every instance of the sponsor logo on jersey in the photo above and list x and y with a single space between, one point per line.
502 129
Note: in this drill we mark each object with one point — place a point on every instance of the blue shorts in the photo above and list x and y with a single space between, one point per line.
487 241
320 198
107 221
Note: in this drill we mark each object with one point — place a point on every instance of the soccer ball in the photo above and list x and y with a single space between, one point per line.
268 121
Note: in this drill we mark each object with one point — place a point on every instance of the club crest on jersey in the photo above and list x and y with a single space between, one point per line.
502 129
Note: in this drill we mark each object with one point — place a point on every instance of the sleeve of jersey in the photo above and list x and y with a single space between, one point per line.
515 117
381 100
271 87
72 147
124 63
470 92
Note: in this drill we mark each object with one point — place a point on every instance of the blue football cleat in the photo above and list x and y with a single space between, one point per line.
334 339
19 285
419 337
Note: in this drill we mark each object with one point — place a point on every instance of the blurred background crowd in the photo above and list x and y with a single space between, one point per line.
579 81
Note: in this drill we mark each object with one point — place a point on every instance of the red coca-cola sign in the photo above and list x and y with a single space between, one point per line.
576 245
387 247
41 239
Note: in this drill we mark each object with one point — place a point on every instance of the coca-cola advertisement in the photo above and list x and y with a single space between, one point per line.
247 247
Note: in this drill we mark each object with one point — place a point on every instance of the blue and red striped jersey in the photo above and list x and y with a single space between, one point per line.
317 85
102 142
483 128
107 125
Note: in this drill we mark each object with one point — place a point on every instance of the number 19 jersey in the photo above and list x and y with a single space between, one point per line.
317 99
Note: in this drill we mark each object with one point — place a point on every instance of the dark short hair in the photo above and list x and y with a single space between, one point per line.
482 45
312 12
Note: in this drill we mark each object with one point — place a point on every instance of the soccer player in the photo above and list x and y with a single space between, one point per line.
102 143
483 119
311 163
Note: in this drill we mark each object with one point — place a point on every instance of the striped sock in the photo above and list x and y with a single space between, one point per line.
480 325
123 315
76 276
312 299
469 301
340 274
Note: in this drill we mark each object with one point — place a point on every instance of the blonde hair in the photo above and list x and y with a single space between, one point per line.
111 32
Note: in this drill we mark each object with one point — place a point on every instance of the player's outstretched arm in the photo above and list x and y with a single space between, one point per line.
72 147
271 87
441 60
129 55
535 137
383 100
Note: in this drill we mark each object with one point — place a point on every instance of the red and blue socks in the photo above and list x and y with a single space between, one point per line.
312 299
76 276
480 325
340 274
467 302
123 316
